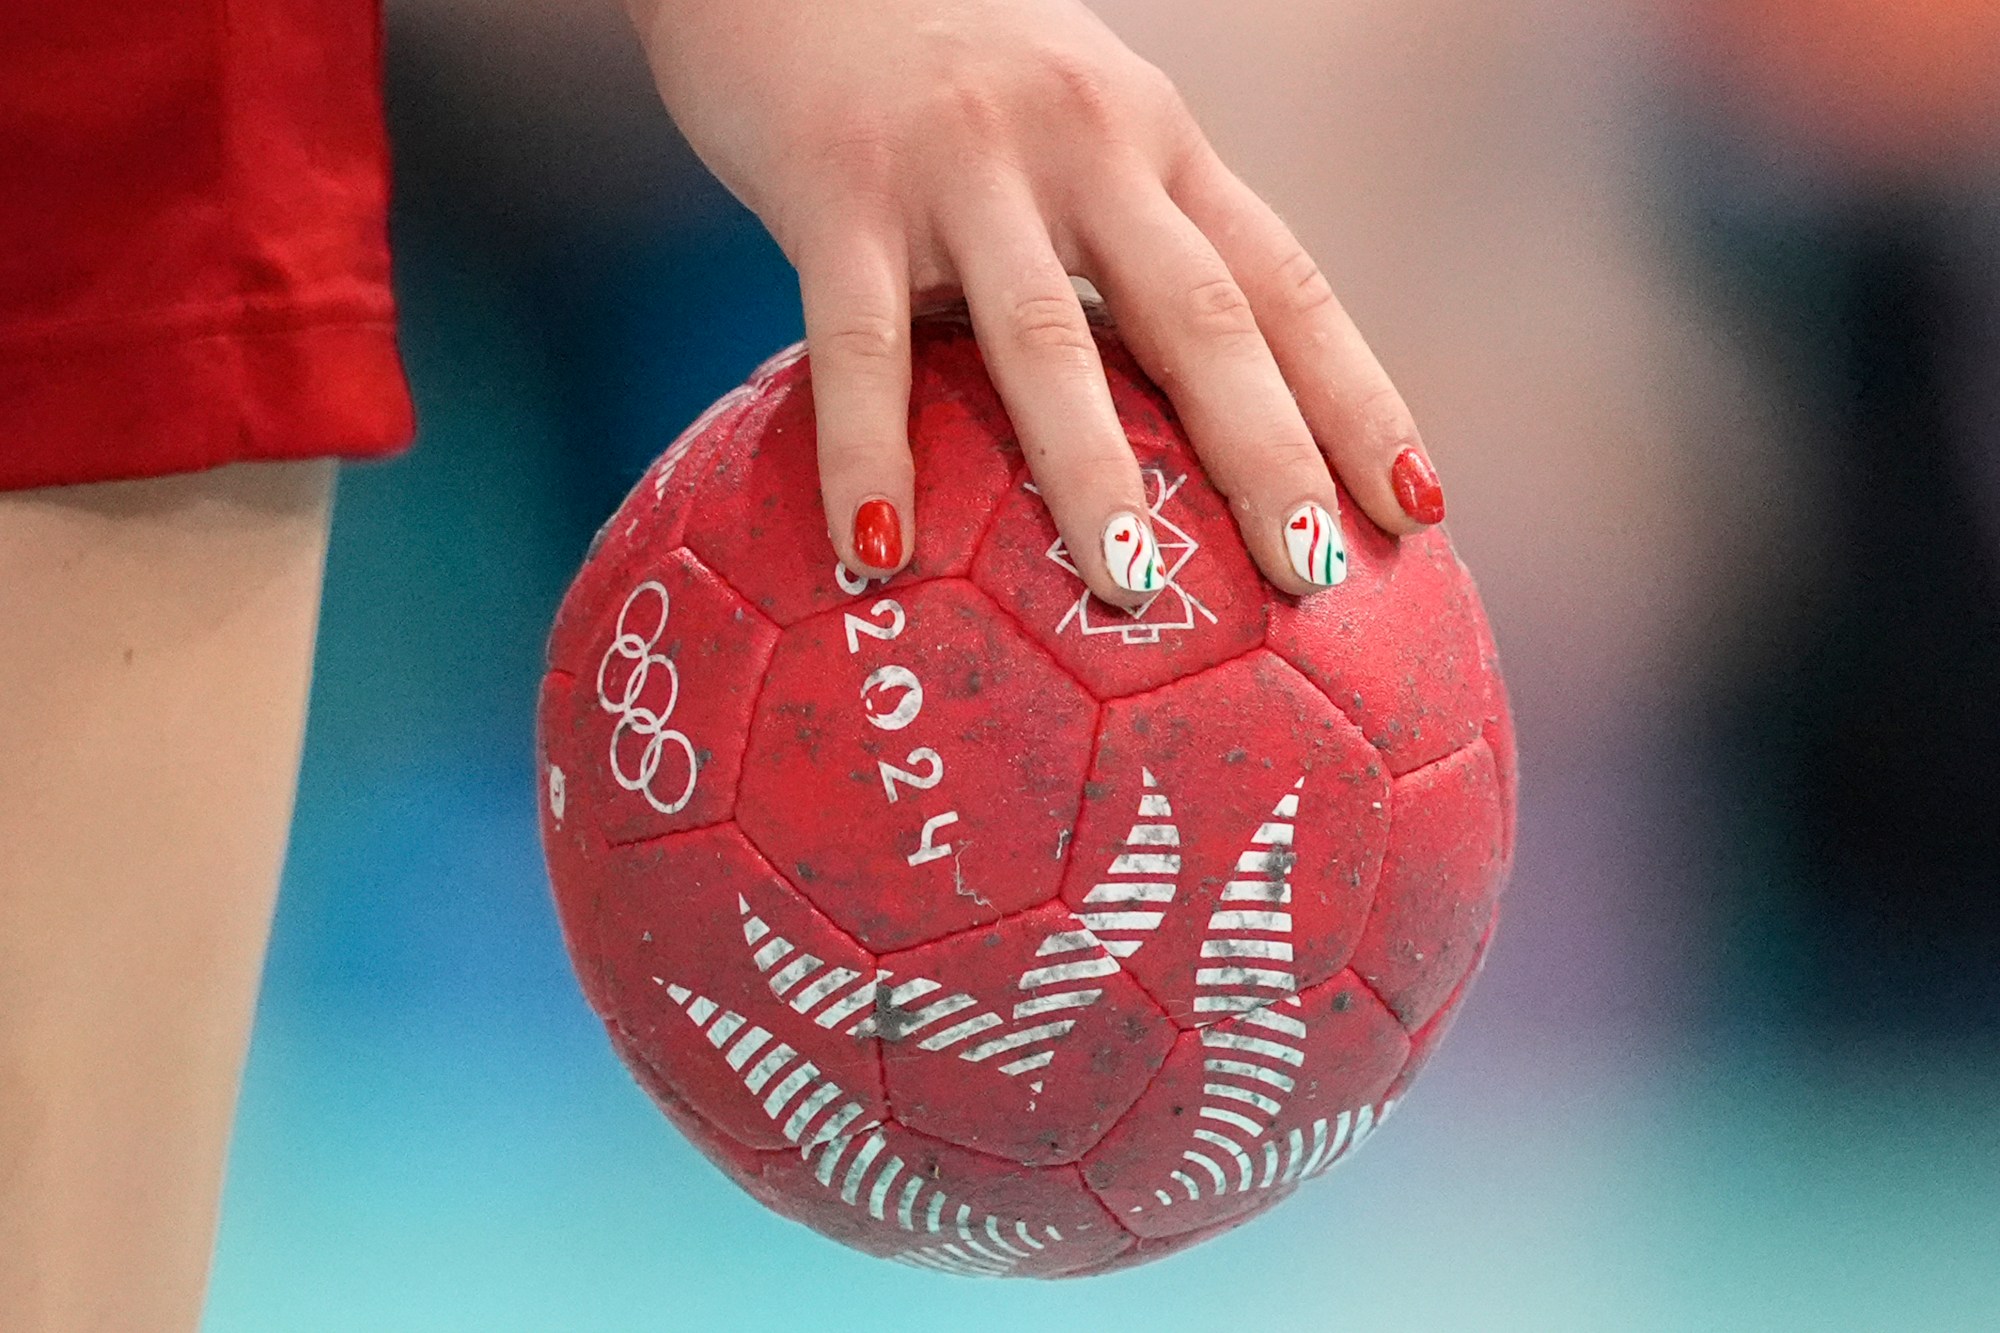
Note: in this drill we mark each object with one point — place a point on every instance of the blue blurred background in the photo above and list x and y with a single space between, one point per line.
1699 306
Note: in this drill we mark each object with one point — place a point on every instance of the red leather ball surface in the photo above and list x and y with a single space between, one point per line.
980 925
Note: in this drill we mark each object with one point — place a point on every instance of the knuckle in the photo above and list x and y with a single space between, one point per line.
1388 423
1050 326
972 108
1301 285
1215 309
870 340
862 157
1090 97
1289 455
1160 96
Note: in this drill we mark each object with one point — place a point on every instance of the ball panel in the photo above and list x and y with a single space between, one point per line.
1227 855
1440 880
894 1192
1425 1040
740 1162
1145 1251
709 959
916 764
1396 646
660 709
956 411
1030 1049
1211 610
760 522
1262 1101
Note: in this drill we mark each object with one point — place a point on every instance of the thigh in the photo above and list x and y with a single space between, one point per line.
155 651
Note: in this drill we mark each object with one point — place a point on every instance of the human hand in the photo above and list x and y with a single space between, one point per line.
902 149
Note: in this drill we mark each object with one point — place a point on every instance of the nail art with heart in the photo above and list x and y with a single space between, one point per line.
1131 555
1313 541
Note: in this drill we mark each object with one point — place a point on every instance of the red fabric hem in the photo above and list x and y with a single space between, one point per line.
151 408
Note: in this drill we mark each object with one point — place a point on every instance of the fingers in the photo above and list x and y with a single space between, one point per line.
1221 306
856 292
1356 414
1044 362
1193 330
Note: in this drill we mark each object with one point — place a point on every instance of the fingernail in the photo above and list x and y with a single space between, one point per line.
1131 556
1312 539
1417 489
878 534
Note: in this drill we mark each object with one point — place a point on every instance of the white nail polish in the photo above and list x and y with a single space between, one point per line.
1131 556
1312 539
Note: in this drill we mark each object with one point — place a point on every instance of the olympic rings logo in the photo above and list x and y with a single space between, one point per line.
635 703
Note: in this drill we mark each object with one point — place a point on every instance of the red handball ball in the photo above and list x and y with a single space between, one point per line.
980 925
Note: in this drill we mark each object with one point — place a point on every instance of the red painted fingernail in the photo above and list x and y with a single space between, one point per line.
1417 489
878 534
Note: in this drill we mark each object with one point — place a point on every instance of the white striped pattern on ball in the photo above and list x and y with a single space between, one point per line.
1247 1077
1057 986
1246 960
1306 1153
1128 904
830 996
873 1178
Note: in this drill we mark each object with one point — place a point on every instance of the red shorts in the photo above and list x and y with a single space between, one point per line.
194 264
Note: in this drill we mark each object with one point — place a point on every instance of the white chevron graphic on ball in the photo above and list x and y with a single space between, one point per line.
1244 973
1248 945
818 1115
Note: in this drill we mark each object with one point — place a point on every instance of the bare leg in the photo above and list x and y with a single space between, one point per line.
155 648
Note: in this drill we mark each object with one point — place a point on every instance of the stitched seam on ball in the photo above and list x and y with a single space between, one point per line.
1034 642
1461 989
882 1068
986 528
1140 695
1012 1163
1332 702
874 962
631 1044
1429 764
1076 1168
647 839
1378 997
1083 1172
756 692
597 915
1082 796
1375 890
839 931
734 591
